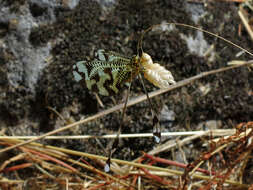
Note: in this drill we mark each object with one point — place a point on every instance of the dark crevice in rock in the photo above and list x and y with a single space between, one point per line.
41 114
37 10
3 29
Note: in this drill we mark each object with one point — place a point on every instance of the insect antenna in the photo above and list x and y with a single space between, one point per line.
139 45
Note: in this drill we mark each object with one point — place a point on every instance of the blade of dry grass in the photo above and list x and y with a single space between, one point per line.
245 22
217 132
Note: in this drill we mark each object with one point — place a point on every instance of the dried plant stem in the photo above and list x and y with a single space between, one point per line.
245 23
131 102
216 132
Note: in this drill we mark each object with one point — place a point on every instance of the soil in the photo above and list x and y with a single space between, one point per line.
78 32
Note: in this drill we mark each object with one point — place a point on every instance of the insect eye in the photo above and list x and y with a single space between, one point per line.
136 59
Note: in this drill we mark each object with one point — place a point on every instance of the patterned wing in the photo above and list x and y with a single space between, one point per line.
107 73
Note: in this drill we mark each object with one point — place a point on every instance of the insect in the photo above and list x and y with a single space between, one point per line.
108 73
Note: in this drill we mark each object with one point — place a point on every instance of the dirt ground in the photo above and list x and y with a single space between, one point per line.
78 32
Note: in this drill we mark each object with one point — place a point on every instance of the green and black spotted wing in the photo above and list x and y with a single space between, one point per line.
107 73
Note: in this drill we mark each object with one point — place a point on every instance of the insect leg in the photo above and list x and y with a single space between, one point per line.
156 124
116 140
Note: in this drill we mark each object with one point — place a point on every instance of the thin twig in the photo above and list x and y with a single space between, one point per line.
245 23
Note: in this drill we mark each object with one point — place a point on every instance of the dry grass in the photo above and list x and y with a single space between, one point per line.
59 167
